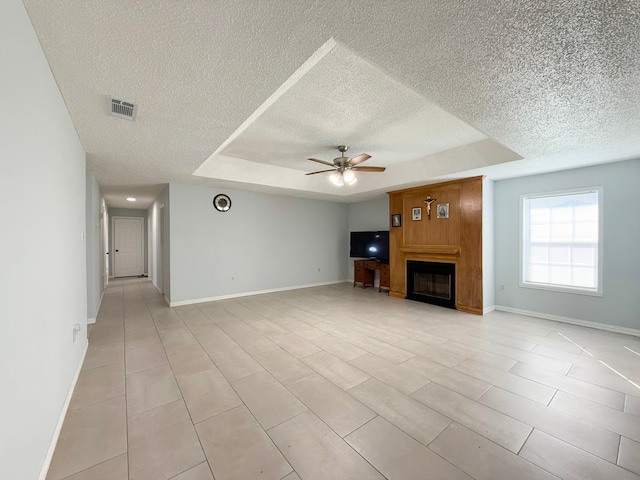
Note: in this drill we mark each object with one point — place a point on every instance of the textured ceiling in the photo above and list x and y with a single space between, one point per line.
344 96
334 95
553 82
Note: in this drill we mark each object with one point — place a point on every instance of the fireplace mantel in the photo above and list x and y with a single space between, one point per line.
432 249
456 239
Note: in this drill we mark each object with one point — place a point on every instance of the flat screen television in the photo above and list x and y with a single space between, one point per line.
373 245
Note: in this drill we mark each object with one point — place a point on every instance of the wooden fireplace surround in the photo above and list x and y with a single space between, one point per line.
457 239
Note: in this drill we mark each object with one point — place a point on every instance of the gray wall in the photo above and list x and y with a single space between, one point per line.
620 303
264 241
370 215
158 218
43 290
94 253
488 245
129 212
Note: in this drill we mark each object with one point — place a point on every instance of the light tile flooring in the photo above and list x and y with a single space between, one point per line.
335 382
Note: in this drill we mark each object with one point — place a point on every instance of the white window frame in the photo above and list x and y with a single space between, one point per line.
598 291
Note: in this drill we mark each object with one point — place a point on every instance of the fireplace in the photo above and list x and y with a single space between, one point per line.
432 282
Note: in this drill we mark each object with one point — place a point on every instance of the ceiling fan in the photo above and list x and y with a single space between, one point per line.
343 168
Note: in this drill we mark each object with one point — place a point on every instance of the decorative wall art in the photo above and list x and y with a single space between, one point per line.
417 213
443 210
429 201
396 220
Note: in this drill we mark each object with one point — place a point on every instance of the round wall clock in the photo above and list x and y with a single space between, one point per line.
222 202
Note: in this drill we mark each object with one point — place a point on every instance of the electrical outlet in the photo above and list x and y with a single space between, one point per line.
233 278
76 331
502 287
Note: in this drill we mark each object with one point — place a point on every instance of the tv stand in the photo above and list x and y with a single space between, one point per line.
364 273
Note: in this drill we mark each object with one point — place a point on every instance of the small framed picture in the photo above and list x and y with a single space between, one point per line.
417 213
396 220
443 210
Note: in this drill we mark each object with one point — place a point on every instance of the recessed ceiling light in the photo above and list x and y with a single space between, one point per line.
131 199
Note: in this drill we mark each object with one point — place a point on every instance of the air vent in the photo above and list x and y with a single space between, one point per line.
123 109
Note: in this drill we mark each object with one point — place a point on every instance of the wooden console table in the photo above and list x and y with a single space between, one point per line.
364 273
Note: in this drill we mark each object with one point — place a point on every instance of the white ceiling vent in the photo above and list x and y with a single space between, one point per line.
122 109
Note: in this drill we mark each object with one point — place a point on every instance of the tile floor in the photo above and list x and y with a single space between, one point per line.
335 382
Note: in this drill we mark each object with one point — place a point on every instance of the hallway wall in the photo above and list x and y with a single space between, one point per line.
43 289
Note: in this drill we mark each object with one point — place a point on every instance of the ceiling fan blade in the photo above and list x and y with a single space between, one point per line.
321 171
359 159
369 169
321 161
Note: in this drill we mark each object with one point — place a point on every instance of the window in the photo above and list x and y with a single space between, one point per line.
561 246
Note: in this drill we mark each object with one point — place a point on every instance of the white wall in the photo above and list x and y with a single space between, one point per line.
264 241
370 215
95 253
157 216
620 303
104 242
43 289
488 245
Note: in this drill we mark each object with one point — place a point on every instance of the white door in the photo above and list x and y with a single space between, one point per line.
128 246
104 246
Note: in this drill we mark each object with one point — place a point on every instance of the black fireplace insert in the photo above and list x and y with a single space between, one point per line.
432 282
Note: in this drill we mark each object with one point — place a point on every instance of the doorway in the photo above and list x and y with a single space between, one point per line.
128 246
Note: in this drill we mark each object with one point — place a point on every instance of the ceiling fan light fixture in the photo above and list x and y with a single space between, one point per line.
349 177
337 179
343 169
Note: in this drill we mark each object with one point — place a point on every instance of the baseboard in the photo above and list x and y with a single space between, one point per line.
157 287
159 291
63 414
248 294
100 301
490 309
573 321
93 319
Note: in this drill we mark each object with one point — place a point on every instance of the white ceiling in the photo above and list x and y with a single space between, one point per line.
244 91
